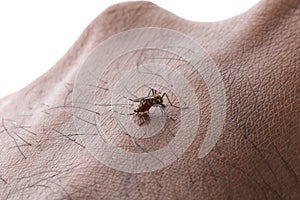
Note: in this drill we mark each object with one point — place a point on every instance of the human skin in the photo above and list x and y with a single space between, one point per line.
256 157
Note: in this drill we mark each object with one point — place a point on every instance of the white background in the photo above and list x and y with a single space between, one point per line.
35 34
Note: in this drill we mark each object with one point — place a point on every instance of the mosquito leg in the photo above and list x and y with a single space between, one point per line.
154 91
165 94
151 91
163 111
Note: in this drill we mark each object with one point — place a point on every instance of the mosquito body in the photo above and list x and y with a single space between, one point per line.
154 99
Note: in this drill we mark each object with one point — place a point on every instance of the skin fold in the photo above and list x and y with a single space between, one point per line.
256 157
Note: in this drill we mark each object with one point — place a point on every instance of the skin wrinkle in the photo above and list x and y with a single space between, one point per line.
256 157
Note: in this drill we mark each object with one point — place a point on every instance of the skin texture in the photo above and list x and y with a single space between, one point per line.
256 157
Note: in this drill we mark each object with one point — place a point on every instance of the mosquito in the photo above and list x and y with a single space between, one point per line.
153 99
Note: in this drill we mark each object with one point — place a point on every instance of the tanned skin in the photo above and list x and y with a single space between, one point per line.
256 157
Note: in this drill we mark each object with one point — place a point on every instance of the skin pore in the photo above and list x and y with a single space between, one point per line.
256 157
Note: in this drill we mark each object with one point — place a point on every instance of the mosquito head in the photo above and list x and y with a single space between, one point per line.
158 99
